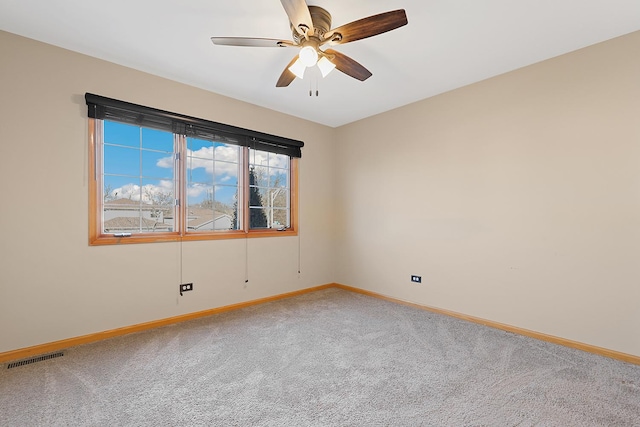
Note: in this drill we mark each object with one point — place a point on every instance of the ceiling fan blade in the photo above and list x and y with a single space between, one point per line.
299 15
252 42
287 76
347 65
367 27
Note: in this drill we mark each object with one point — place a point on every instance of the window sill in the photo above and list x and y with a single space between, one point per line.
109 239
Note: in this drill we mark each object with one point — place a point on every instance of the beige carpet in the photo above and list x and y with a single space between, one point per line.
329 358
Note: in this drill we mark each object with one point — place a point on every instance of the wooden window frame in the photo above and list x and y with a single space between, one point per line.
98 238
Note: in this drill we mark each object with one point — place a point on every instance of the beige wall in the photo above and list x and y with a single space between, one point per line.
517 198
52 284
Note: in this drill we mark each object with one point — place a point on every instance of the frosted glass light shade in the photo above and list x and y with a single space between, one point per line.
308 56
325 66
298 68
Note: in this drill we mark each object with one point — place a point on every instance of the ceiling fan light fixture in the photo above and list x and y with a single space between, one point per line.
308 56
298 68
325 66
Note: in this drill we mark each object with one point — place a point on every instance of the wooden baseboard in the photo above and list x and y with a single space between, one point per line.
26 352
629 358
86 339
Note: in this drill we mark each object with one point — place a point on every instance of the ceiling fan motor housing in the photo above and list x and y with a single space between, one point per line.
321 24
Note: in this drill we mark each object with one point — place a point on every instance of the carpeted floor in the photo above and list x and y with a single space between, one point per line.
328 358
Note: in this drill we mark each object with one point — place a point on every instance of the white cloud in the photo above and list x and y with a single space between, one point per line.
226 164
196 190
165 162
262 158
149 192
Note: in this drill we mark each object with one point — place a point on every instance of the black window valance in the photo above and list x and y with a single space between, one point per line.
100 107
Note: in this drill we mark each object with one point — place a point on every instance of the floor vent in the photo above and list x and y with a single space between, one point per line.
35 359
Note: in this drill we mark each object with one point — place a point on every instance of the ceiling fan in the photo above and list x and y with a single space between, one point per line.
311 30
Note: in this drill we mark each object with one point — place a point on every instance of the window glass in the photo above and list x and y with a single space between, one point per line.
212 185
269 190
138 179
153 185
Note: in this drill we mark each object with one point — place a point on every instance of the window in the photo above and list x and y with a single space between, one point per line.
159 176
138 179
213 178
269 190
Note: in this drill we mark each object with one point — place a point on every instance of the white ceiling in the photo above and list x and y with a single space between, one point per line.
447 44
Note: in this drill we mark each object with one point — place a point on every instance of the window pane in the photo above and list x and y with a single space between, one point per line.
198 148
121 134
157 140
200 194
121 187
157 207
158 192
269 189
278 161
139 190
279 197
258 158
226 194
257 218
260 176
256 194
212 185
121 161
208 219
280 218
121 217
279 178
227 153
227 172
157 164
